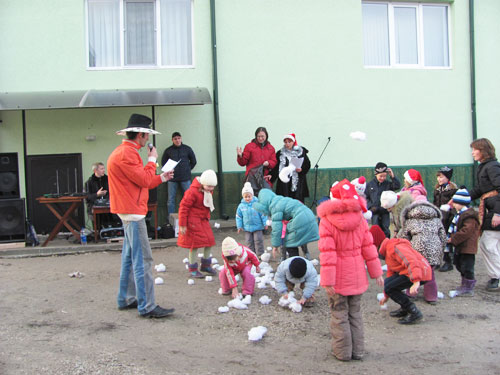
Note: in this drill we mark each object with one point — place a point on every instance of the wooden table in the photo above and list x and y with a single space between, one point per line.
97 210
64 217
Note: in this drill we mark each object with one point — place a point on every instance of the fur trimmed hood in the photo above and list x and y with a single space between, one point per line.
344 214
422 210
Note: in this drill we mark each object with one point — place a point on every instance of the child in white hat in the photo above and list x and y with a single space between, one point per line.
251 221
194 222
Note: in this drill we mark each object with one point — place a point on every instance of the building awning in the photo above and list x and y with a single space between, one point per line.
103 98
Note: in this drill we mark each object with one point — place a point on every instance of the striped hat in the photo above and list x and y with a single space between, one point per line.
462 196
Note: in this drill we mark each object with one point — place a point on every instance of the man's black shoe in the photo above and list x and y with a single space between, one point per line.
132 305
158 312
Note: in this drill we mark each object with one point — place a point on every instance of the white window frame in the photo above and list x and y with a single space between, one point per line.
122 42
420 35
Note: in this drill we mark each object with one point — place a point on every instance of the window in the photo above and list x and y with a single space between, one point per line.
139 33
405 35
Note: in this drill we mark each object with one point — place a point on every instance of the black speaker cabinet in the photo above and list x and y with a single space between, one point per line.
9 176
12 220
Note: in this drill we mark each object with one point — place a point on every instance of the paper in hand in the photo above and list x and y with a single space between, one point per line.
297 162
170 165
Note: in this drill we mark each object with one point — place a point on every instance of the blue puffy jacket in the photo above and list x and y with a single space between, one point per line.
310 279
248 218
302 227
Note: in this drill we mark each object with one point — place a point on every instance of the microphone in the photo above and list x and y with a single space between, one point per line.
150 146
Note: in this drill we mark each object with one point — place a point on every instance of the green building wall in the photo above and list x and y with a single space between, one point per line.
289 65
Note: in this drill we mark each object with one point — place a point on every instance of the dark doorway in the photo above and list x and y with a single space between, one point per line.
52 174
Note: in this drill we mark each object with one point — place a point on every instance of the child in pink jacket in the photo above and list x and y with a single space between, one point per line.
238 259
345 246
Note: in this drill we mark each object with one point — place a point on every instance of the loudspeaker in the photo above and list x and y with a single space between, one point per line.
9 176
12 220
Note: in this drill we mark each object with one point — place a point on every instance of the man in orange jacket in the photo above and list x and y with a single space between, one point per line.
129 182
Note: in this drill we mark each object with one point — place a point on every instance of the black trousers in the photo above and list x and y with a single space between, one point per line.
393 287
465 265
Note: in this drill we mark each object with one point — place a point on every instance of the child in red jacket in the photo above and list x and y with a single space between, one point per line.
406 268
194 222
238 259
346 246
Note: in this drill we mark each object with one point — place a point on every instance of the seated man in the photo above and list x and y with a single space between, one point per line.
97 188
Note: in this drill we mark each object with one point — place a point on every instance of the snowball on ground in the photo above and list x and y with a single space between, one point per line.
261 285
159 281
265 257
185 260
256 333
315 262
383 307
223 309
237 304
214 261
160 267
220 291
190 282
265 300
380 296
247 300
440 295
208 278
200 255
237 277
452 293
295 307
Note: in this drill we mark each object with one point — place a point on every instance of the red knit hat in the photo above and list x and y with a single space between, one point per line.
378 235
412 175
292 137
345 190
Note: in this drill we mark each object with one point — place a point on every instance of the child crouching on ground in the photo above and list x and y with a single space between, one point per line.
238 259
251 221
463 235
194 222
346 245
297 270
406 268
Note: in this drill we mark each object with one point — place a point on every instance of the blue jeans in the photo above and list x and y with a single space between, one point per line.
136 275
172 191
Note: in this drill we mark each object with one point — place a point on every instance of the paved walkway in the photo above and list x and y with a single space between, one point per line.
61 246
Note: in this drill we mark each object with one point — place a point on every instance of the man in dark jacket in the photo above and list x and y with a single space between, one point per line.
374 189
182 172
96 188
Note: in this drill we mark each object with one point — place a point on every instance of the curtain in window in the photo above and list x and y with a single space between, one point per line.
405 33
436 36
176 32
140 44
104 33
375 34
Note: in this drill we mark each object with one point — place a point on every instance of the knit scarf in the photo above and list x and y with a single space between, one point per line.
453 228
208 200
287 154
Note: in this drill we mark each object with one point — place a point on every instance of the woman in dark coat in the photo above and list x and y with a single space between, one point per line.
291 179
487 189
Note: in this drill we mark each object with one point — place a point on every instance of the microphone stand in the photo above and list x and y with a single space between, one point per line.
315 201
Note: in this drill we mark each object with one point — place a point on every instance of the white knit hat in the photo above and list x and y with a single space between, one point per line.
208 178
388 199
360 184
247 189
231 247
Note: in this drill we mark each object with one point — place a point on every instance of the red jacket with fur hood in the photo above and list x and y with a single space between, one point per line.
346 244
403 259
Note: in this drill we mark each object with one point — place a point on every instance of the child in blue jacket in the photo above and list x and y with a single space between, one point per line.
251 221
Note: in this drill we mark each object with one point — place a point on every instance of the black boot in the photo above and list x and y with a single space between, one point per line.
414 315
447 266
399 313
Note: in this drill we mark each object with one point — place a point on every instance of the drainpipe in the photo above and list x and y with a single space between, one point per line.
220 177
472 81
